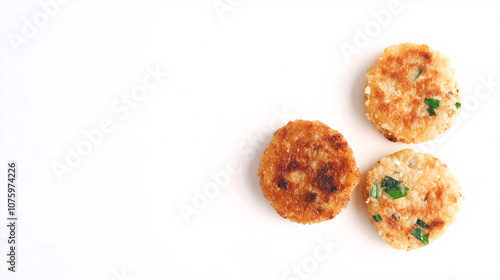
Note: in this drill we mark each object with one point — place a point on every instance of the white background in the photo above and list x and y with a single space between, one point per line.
234 68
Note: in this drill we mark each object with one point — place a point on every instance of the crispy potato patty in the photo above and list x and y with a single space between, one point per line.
432 201
397 86
308 172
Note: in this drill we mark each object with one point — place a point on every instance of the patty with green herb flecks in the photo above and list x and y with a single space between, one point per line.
412 198
308 172
411 95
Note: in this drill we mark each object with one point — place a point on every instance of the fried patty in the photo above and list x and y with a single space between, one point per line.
432 201
397 86
308 172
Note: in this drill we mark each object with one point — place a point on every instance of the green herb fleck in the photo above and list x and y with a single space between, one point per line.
377 218
393 188
433 103
374 192
431 111
418 233
450 92
422 224
458 104
419 71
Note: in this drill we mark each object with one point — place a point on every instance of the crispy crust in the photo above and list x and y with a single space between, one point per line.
308 172
395 98
434 196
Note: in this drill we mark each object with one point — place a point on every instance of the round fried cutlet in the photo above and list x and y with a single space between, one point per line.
397 86
411 198
308 172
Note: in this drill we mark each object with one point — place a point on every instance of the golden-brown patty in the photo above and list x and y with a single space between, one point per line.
397 86
432 201
308 172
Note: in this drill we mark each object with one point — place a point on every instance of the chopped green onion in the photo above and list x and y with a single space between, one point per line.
422 224
458 104
418 233
431 111
419 71
398 192
393 188
433 103
374 192
450 92
377 218
390 182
